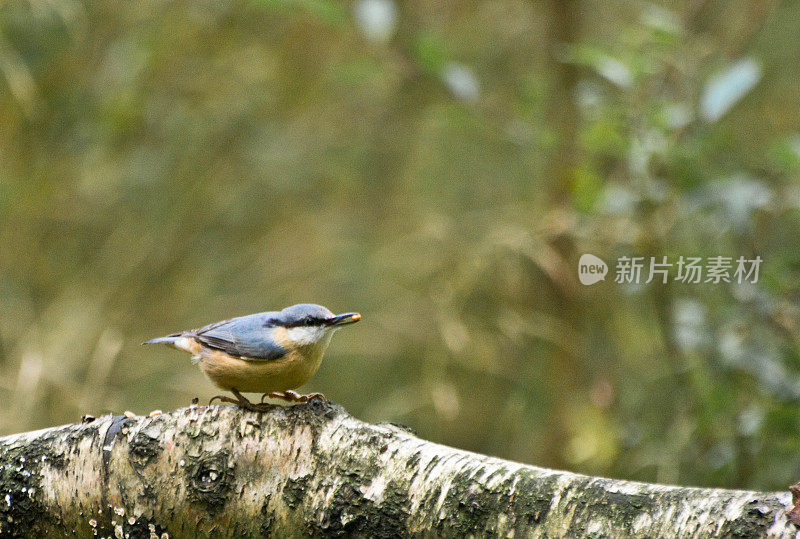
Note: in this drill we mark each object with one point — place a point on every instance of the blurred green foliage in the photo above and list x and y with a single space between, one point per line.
439 167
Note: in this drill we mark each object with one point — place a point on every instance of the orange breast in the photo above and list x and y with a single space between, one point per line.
289 372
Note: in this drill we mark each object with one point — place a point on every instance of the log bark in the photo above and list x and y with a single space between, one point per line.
313 470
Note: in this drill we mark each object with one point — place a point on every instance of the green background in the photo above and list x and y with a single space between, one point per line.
439 167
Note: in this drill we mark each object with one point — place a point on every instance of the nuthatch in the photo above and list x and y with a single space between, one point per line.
271 353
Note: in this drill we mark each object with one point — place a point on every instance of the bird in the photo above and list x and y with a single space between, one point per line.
272 352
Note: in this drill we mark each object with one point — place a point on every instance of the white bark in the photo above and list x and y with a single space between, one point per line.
312 469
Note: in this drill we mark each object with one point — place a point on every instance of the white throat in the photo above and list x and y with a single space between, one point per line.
310 335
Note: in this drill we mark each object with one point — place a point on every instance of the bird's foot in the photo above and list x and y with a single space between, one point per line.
222 398
242 402
291 396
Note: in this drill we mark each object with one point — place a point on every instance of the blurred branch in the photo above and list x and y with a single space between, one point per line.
313 469
563 118
563 113
757 14
701 16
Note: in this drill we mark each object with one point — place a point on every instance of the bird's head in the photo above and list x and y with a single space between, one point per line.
308 324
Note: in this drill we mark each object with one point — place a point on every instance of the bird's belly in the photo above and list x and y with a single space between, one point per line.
258 376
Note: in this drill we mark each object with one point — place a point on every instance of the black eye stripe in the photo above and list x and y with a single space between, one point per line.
306 321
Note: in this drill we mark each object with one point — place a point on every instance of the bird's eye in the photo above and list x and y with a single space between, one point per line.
308 321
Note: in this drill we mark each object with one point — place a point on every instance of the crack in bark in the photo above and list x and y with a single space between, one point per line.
108 442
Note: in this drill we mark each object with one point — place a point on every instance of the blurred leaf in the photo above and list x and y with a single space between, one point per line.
662 20
586 189
430 52
724 90
605 136
675 116
610 68
785 154
17 76
377 19
462 81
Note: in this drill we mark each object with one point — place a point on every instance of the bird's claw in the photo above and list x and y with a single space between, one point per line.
255 407
242 402
222 398
291 396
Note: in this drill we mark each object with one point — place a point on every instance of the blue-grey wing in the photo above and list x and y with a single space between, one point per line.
247 337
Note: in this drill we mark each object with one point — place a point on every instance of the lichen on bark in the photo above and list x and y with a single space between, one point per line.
313 470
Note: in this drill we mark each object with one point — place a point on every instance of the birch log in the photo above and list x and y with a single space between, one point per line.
313 470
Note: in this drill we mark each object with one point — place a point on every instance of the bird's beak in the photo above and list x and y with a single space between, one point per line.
344 319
